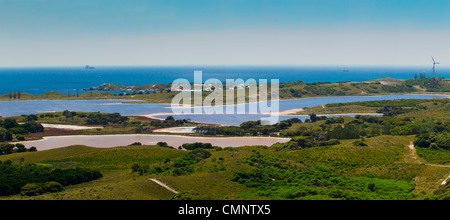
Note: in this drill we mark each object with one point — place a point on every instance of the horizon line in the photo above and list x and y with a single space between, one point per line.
233 65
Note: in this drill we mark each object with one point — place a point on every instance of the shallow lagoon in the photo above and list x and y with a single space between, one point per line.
16 108
109 141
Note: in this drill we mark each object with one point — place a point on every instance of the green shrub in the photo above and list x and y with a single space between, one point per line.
197 145
34 189
360 143
53 186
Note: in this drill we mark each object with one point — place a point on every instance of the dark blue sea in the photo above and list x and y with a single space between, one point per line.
68 79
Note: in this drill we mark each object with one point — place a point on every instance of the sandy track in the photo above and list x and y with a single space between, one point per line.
414 156
163 185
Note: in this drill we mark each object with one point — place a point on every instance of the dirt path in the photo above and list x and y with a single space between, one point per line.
414 153
414 156
445 181
163 185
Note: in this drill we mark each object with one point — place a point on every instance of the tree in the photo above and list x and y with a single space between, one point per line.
20 148
5 135
443 141
197 145
31 118
6 148
10 123
33 127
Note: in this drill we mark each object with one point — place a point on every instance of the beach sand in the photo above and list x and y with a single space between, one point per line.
69 127
179 130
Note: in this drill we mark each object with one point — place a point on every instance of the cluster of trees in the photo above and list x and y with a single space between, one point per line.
430 132
253 128
10 127
304 142
14 95
278 179
313 118
96 118
433 140
370 126
34 189
104 119
197 145
6 148
393 111
169 122
181 166
135 93
13 177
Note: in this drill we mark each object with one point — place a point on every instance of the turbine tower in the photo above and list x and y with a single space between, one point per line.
434 66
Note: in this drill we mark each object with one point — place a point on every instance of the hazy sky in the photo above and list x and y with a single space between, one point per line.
223 32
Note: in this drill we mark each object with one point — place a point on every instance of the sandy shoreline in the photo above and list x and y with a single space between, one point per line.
69 127
179 130
283 113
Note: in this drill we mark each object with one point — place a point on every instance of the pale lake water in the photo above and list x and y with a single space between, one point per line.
16 108
109 141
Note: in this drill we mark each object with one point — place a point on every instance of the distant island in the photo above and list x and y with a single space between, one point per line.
135 88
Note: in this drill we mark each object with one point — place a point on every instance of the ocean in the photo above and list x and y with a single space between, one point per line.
70 79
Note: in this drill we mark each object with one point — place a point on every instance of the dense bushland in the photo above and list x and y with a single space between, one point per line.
15 176
181 166
253 128
278 179
9 128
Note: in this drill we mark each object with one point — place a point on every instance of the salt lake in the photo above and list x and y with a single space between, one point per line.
110 141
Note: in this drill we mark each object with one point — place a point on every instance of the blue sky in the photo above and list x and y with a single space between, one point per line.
223 32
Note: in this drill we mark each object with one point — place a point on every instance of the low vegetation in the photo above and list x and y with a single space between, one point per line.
348 158
278 179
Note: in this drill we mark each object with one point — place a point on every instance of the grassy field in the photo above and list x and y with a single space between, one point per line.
386 158
383 167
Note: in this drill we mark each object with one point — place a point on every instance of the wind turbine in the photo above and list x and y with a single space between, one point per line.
434 66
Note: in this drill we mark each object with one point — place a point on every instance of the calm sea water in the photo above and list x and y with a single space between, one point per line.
68 79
